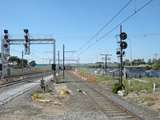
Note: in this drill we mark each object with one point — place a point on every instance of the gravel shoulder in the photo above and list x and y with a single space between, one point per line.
59 106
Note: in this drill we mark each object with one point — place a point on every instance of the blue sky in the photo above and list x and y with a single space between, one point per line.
73 22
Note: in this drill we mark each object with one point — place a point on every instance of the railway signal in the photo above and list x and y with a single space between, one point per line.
26 42
6 40
120 52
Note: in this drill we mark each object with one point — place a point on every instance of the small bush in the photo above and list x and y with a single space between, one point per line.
117 87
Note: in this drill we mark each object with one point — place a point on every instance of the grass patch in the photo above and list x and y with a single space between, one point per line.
83 72
149 98
139 86
103 78
132 86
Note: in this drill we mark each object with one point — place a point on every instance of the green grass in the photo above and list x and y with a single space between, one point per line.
135 85
139 86
103 78
99 78
83 71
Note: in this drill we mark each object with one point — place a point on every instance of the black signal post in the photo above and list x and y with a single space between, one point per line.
121 52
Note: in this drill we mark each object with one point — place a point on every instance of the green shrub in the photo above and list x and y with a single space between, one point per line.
117 87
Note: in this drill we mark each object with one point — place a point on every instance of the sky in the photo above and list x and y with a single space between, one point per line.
74 22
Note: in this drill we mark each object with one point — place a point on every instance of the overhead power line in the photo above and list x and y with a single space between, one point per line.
106 24
123 21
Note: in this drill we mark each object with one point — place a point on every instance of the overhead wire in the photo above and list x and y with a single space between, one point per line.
116 26
106 24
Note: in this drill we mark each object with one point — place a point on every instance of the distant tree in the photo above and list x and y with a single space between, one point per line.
138 62
149 62
18 61
33 63
25 62
154 61
156 64
13 59
127 62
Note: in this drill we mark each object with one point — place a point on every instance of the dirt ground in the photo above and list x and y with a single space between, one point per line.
149 100
63 101
142 98
36 105
68 100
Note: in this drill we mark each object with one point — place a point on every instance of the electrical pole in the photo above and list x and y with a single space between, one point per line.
106 62
58 61
63 60
22 64
2 57
77 62
54 62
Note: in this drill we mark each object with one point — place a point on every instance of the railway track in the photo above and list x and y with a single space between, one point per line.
26 79
109 108
11 90
112 110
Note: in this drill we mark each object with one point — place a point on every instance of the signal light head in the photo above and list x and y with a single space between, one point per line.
26 31
5 45
123 36
118 52
123 45
5 36
5 31
123 53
